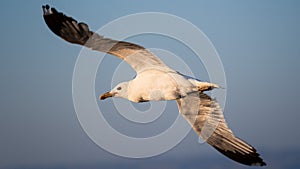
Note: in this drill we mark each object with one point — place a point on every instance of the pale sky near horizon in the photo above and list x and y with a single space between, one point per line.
257 41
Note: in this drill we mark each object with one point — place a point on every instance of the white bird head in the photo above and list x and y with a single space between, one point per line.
119 91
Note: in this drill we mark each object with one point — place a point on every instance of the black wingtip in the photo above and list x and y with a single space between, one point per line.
66 27
45 6
47 10
261 164
54 10
250 159
52 19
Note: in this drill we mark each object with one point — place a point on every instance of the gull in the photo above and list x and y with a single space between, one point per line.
156 81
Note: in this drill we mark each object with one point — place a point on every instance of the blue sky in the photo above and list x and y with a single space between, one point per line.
257 41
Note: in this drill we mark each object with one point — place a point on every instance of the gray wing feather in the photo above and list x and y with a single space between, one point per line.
206 117
70 30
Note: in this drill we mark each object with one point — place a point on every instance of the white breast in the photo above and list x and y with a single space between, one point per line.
156 84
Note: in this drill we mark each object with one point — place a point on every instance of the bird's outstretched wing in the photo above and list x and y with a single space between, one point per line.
70 30
206 117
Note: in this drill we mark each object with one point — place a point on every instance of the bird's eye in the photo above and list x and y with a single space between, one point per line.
119 88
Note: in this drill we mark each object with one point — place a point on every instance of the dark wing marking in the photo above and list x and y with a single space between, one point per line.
206 117
79 33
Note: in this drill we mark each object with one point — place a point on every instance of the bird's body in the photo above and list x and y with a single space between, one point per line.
156 81
157 85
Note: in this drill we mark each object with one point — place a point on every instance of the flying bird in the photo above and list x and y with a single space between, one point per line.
154 80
